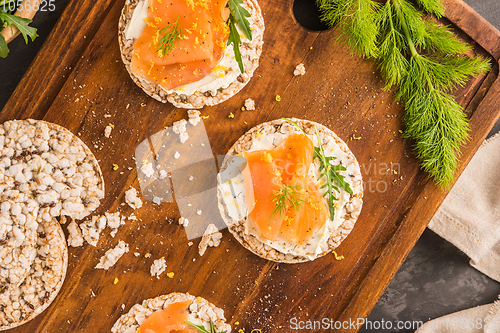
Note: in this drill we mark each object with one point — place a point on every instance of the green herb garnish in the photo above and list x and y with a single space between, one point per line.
238 16
202 328
169 37
424 61
287 196
329 171
7 19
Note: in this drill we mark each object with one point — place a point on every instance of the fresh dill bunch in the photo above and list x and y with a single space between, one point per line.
169 37
355 19
424 61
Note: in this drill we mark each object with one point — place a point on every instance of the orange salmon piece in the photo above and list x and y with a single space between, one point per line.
267 173
263 176
202 46
293 156
169 320
300 225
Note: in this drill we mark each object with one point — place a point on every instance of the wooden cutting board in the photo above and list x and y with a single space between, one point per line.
78 78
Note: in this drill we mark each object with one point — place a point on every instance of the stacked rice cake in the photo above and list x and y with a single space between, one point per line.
45 172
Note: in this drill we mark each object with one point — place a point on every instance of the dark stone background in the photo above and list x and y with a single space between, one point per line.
436 278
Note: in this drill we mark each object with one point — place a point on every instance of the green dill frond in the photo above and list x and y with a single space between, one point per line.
392 44
355 20
434 120
440 39
169 37
287 196
435 7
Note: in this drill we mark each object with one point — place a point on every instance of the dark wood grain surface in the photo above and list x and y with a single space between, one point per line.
344 92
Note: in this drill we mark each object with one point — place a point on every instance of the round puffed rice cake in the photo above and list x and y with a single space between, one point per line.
47 272
199 99
17 243
353 207
44 165
200 308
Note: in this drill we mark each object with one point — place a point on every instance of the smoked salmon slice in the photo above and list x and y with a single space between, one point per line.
269 173
264 178
198 50
169 320
299 226
293 156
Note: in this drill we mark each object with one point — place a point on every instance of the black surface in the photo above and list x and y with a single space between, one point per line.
308 15
435 280
21 55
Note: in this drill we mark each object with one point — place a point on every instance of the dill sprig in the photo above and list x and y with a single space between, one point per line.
169 37
329 171
288 196
201 328
424 61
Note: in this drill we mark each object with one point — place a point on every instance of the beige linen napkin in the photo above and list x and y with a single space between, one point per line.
481 319
469 217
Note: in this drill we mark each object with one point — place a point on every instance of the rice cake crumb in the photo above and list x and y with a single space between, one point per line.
299 70
111 256
158 267
114 220
163 174
194 117
107 131
249 104
147 169
91 229
184 222
131 198
211 237
75 238
179 127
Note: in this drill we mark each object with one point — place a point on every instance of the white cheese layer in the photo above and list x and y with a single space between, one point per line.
234 196
137 23
225 73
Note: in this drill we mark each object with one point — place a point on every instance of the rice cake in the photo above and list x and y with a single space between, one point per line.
250 51
48 270
199 308
44 165
347 214
18 238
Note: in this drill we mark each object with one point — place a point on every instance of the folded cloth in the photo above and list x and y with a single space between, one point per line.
481 319
469 217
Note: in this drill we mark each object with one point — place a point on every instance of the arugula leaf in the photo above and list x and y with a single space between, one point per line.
234 37
240 14
339 179
21 24
4 49
329 171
